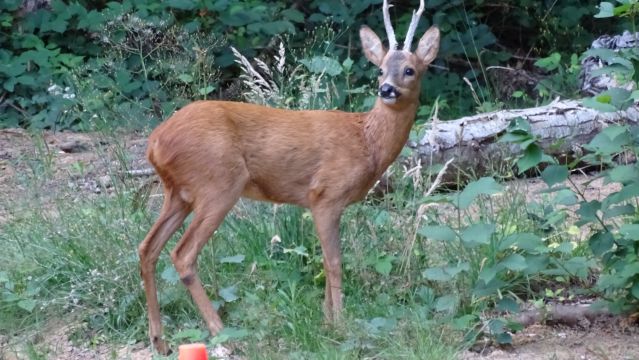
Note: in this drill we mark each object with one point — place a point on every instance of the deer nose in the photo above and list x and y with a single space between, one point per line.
388 91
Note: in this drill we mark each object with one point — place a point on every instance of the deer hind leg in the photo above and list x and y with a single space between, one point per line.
327 217
173 213
213 205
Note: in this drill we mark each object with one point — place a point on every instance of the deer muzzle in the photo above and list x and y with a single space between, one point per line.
388 93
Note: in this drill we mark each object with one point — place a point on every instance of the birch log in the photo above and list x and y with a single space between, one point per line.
562 128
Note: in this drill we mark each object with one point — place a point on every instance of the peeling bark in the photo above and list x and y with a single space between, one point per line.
562 128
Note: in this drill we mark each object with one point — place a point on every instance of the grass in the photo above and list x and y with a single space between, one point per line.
72 258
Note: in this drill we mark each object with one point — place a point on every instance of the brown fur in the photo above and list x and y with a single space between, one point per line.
211 153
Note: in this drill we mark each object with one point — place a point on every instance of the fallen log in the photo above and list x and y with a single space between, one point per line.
562 314
562 128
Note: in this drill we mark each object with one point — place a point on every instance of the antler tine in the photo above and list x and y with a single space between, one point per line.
413 25
392 41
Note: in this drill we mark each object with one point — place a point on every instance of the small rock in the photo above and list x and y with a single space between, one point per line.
105 181
221 352
73 146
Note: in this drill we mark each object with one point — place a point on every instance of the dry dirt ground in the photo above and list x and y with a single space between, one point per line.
88 163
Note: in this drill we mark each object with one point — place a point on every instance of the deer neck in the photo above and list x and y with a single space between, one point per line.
386 131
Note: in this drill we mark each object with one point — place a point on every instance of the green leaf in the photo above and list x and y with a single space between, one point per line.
565 197
611 100
446 303
323 64
630 269
601 242
30 41
445 273
599 103
549 63
531 157
186 78
635 290
92 21
519 125
11 5
496 326
487 274
27 304
384 265
236 259
13 68
464 322
536 263
437 232
624 173
228 333
588 211
620 210
298 250
609 141
514 262
347 64
508 304
26 80
504 338
170 275
272 27
554 174
293 15
606 10
579 266
436 274
564 247
381 324
206 90
626 193
630 231
4 277
181 4
483 186
477 234
229 294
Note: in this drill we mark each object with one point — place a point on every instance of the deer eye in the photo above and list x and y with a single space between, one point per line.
409 72
381 72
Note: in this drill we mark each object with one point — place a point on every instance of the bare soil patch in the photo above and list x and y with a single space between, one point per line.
604 340
78 163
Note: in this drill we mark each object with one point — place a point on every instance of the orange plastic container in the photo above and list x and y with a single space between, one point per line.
192 352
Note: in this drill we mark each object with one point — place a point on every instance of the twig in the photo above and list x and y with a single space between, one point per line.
141 172
438 179
420 213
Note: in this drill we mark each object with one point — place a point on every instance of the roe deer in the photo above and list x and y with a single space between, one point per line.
211 153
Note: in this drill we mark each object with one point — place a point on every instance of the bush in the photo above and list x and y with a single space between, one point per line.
142 59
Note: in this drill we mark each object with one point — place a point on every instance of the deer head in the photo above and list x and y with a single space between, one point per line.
400 71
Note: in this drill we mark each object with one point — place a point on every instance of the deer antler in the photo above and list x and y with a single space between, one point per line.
392 41
413 26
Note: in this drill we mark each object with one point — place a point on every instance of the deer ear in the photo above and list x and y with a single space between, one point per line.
372 46
428 46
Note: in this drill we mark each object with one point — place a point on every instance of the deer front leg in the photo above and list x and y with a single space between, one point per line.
173 213
327 219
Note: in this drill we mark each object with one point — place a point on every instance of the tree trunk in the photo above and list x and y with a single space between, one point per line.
561 127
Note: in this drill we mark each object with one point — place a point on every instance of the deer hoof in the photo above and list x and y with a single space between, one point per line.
161 346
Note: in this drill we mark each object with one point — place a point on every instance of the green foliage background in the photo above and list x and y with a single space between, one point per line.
134 61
